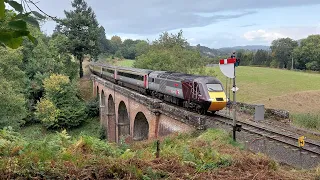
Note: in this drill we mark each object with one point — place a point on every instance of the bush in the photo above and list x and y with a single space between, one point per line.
47 112
92 108
274 63
61 107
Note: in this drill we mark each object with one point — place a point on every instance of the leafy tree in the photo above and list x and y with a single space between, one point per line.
104 43
170 40
307 55
61 107
141 47
261 58
282 51
116 44
168 53
118 54
82 30
12 103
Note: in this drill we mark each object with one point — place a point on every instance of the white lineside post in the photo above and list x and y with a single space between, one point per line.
227 67
234 105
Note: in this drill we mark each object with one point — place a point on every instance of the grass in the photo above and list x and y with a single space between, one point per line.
38 132
297 92
310 121
125 63
209 155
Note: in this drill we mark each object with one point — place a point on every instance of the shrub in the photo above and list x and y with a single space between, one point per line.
62 107
47 112
92 108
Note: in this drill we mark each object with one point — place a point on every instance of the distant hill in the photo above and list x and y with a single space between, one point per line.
211 52
205 51
248 47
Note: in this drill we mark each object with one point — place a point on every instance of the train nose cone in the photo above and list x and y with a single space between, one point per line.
218 101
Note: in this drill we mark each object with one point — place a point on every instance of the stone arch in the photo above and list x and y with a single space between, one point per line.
123 121
111 120
141 127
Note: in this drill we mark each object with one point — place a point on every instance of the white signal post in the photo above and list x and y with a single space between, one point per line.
227 67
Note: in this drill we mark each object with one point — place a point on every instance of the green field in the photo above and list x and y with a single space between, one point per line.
125 63
256 83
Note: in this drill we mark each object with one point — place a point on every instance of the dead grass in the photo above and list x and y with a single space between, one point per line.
300 102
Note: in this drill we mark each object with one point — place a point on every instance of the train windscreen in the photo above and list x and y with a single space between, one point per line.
214 87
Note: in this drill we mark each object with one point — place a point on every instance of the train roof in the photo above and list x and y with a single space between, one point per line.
187 77
145 71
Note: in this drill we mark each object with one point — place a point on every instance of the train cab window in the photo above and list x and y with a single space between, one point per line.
214 87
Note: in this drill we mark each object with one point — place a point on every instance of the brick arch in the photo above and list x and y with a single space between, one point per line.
123 121
140 127
103 98
97 92
112 137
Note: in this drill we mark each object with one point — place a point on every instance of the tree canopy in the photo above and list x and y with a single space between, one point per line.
282 51
82 30
169 53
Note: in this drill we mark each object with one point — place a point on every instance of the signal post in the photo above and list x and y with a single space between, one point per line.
227 67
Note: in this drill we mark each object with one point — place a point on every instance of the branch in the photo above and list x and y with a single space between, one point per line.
34 3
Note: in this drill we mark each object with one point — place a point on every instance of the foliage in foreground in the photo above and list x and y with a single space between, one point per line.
209 155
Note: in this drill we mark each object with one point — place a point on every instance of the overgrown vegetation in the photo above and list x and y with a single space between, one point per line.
182 156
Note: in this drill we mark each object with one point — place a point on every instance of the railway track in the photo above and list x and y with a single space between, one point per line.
288 139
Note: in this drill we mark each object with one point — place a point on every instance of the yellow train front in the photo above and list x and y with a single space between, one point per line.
209 93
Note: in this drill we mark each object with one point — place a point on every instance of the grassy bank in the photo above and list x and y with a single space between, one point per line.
211 154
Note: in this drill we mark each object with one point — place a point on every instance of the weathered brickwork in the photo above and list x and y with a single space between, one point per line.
162 119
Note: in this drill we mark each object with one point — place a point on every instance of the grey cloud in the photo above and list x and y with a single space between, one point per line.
154 16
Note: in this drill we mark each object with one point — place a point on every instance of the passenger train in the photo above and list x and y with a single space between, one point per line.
202 94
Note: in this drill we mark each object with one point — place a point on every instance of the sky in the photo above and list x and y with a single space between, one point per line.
211 23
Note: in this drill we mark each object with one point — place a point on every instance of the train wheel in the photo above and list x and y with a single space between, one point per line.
201 110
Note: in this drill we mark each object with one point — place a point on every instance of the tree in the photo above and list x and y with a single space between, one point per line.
168 53
282 51
307 55
103 42
261 58
170 40
12 103
116 44
60 107
14 23
82 30
141 47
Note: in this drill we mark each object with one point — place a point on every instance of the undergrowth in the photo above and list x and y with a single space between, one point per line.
182 156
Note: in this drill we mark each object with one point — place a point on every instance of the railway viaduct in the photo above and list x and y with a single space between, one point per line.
129 116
